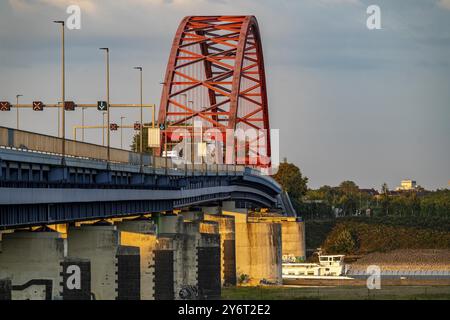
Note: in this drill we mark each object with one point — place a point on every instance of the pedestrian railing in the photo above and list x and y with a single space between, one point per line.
25 140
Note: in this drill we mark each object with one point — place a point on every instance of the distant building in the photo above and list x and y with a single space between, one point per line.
406 185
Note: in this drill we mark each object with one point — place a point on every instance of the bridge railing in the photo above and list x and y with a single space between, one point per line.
20 139
26 140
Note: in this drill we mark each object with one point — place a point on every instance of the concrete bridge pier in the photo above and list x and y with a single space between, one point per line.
293 236
115 269
202 258
141 233
258 252
258 247
226 228
164 258
196 246
31 261
171 228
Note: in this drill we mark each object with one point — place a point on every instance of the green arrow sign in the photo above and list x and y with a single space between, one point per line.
102 105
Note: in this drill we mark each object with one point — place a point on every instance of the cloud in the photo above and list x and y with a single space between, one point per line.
444 4
21 5
90 5
337 2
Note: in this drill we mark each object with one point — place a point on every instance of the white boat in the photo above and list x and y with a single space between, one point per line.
329 267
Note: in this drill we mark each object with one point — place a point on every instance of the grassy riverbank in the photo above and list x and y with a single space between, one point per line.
337 293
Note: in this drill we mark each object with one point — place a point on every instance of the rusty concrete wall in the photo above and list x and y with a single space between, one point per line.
140 233
293 239
31 259
164 277
201 259
98 244
258 252
226 229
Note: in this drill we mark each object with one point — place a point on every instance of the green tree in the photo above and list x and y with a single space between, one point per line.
135 145
343 242
349 196
291 180
385 201
348 187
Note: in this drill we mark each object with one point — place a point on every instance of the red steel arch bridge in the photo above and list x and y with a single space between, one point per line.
215 76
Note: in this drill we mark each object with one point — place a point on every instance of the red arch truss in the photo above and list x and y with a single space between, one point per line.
215 75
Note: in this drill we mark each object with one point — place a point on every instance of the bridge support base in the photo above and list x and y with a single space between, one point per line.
226 226
112 265
31 260
196 247
141 234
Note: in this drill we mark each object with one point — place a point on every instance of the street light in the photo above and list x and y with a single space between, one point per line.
185 138
191 104
121 132
107 99
63 87
17 111
165 137
82 123
103 128
141 149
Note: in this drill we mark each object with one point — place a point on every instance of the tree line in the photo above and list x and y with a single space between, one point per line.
347 199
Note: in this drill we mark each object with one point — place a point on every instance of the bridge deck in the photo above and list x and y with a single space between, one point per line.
38 185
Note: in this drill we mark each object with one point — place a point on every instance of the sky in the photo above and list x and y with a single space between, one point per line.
371 106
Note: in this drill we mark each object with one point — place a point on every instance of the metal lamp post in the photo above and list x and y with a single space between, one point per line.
141 147
141 127
63 86
17 111
121 132
82 123
108 136
191 103
103 128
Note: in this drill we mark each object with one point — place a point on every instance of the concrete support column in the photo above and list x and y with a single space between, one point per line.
203 259
112 265
258 248
196 247
142 234
128 271
293 237
226 226
31 260
171 228
164 269
258 252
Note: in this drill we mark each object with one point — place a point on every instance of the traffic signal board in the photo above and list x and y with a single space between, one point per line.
162 126
102 105
5 106
113 126
38 106
154 137
137 126
69 106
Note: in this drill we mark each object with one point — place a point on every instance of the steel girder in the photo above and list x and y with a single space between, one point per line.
216 75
